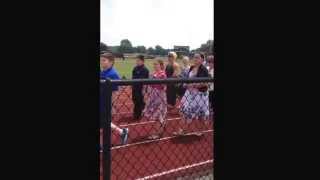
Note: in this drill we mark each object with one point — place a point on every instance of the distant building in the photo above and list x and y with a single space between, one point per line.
182 50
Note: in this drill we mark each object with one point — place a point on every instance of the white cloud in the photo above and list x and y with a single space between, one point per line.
152 22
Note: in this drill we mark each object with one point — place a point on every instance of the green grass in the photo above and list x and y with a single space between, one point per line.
125 67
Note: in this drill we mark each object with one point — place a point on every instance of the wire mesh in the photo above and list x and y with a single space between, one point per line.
164 142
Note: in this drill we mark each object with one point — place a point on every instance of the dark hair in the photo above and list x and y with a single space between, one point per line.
202 55
141 57
210 59
108 56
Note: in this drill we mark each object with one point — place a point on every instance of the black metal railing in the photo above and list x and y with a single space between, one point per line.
164 142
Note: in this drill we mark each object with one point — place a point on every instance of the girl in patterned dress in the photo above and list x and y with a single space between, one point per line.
156 105
195 102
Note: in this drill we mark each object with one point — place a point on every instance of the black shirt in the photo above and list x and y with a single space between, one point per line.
139 72
202 72
169 70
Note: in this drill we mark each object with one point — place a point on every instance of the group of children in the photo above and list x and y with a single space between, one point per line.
194 97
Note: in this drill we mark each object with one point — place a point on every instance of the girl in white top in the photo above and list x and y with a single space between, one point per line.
185 67
184 74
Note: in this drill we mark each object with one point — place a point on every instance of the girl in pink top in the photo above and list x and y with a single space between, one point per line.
156 105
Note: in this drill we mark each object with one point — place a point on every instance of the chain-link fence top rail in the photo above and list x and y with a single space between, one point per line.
164 143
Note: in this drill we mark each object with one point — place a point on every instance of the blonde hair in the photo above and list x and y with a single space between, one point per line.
172 53
185 61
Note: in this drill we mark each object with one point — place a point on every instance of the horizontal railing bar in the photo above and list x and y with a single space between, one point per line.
159 81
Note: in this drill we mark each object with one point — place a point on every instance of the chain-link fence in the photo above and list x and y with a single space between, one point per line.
152 139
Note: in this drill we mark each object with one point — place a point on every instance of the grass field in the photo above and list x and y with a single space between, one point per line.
125 67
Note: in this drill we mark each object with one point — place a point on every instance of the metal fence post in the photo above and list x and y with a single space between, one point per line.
105 122
107 134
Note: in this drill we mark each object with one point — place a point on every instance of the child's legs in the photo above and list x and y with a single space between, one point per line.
211 98
139 105
171 95
186 119
184 124
162 124
135 108
206 101
101 137
116 128
157 128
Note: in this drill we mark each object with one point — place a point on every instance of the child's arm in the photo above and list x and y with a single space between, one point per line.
201 85
163 76
132 74
144 89
114 76
147 74
176 69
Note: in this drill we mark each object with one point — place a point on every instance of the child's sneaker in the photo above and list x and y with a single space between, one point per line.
124 136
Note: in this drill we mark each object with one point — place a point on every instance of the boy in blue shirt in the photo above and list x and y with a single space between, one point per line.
108 71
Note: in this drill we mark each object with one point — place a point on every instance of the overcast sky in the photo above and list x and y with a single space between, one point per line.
153 22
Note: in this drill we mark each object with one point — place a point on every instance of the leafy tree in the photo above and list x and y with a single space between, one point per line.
165 52
160 51
125 46
103 47
134 50
115 49
141 49
151 51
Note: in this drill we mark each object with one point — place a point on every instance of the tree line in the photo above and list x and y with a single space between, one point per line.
126 47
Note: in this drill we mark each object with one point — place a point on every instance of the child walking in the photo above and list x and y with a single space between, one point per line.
156 106
108 71
184 74
172 70
140 71
195 102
